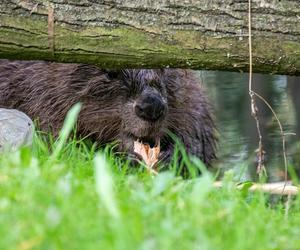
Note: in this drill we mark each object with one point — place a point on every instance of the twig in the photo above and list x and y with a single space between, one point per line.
254 110
250 49
280 188
281 132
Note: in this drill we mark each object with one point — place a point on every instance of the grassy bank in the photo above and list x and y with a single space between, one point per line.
68 196
74 201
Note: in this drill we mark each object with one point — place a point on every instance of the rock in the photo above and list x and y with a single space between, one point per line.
16 129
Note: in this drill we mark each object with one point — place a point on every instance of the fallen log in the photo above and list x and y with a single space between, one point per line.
164 33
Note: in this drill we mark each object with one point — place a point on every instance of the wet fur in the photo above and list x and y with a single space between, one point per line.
46 91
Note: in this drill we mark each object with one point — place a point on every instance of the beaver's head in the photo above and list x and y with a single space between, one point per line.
145 107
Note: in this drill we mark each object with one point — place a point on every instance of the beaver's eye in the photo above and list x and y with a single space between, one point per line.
113 74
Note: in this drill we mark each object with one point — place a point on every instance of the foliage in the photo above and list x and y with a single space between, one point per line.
78 198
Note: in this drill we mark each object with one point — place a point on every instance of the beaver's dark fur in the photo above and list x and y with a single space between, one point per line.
46 91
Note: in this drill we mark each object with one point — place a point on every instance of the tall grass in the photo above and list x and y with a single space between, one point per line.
70 196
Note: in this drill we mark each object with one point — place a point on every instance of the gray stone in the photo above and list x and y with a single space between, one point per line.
16 129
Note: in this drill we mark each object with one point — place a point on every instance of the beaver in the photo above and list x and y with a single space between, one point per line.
148 105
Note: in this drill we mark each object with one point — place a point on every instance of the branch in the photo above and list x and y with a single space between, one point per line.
280 188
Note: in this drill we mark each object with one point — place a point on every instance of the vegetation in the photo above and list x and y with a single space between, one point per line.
68 196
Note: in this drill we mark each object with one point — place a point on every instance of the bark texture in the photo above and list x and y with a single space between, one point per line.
198 34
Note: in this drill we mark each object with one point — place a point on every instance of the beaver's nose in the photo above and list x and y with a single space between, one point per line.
150 108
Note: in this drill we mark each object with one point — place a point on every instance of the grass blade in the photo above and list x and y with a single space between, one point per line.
104 185
69 123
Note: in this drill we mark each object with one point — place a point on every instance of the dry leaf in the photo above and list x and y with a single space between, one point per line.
148 154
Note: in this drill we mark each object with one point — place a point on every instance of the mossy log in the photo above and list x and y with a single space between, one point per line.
207 34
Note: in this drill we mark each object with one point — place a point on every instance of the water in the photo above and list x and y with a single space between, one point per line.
238 136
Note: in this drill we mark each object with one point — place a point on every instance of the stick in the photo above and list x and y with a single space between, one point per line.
281 188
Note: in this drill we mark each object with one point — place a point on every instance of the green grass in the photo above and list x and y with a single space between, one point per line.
68 196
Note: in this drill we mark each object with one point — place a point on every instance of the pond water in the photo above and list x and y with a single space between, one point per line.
238 138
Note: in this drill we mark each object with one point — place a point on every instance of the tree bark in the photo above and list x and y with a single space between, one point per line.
207 34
